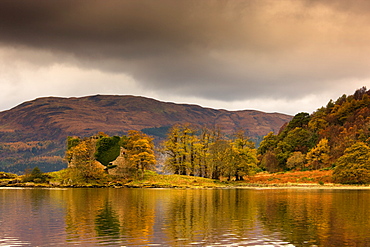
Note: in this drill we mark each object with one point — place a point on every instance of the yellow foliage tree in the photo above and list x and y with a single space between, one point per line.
318 157
81 159
354 166
296 161
140 151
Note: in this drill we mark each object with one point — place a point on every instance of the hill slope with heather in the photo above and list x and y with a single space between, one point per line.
34 132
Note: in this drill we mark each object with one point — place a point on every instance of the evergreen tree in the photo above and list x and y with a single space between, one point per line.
107 150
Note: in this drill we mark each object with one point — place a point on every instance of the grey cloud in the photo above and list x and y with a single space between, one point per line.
226 50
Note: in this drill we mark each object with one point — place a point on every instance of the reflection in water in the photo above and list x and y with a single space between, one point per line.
107 223
321 217
31 217
209 216
176 217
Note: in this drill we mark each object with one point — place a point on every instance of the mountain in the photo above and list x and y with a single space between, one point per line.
34 132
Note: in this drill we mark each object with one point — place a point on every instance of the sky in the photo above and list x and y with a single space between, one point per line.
286 56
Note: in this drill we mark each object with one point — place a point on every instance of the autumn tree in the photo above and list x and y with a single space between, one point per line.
337 126
269 162
218 157
171 149
318 157
140 151
81 158
182 148
354 166
268 143
187 150
243 155
208 153
296 161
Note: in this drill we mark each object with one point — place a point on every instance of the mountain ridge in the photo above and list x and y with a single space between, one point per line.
36 130
115 113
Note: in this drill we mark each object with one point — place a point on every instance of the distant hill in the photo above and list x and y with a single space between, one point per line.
34 132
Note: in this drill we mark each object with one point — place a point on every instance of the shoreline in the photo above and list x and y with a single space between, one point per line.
285 180
226 186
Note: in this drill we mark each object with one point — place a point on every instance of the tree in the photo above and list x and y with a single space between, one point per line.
242 156
107 150
208 153
183 149
81 159
140 151
269 162
318 157
296 161
187 150
300 139
218 158
354 166
299 120
283 152
72 142
171 149
268 143
36 176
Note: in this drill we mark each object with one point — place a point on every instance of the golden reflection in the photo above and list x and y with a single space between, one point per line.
183 216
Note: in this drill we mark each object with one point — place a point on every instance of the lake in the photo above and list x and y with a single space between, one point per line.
184 217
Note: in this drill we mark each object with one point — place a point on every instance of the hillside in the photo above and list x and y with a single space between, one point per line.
323 139
34 132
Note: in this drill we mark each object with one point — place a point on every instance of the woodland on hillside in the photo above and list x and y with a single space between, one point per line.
17 157
335 136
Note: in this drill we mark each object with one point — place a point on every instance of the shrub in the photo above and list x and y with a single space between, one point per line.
35 176
4 175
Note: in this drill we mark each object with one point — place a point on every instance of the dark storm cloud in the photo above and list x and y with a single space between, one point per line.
226 50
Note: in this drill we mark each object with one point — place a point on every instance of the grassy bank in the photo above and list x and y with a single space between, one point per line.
65 178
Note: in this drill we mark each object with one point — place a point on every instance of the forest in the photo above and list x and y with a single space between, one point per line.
335 137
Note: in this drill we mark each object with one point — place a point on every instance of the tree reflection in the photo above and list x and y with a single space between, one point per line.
176 217
107 223
210 215
323 218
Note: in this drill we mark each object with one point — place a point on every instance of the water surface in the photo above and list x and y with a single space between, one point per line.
184 217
